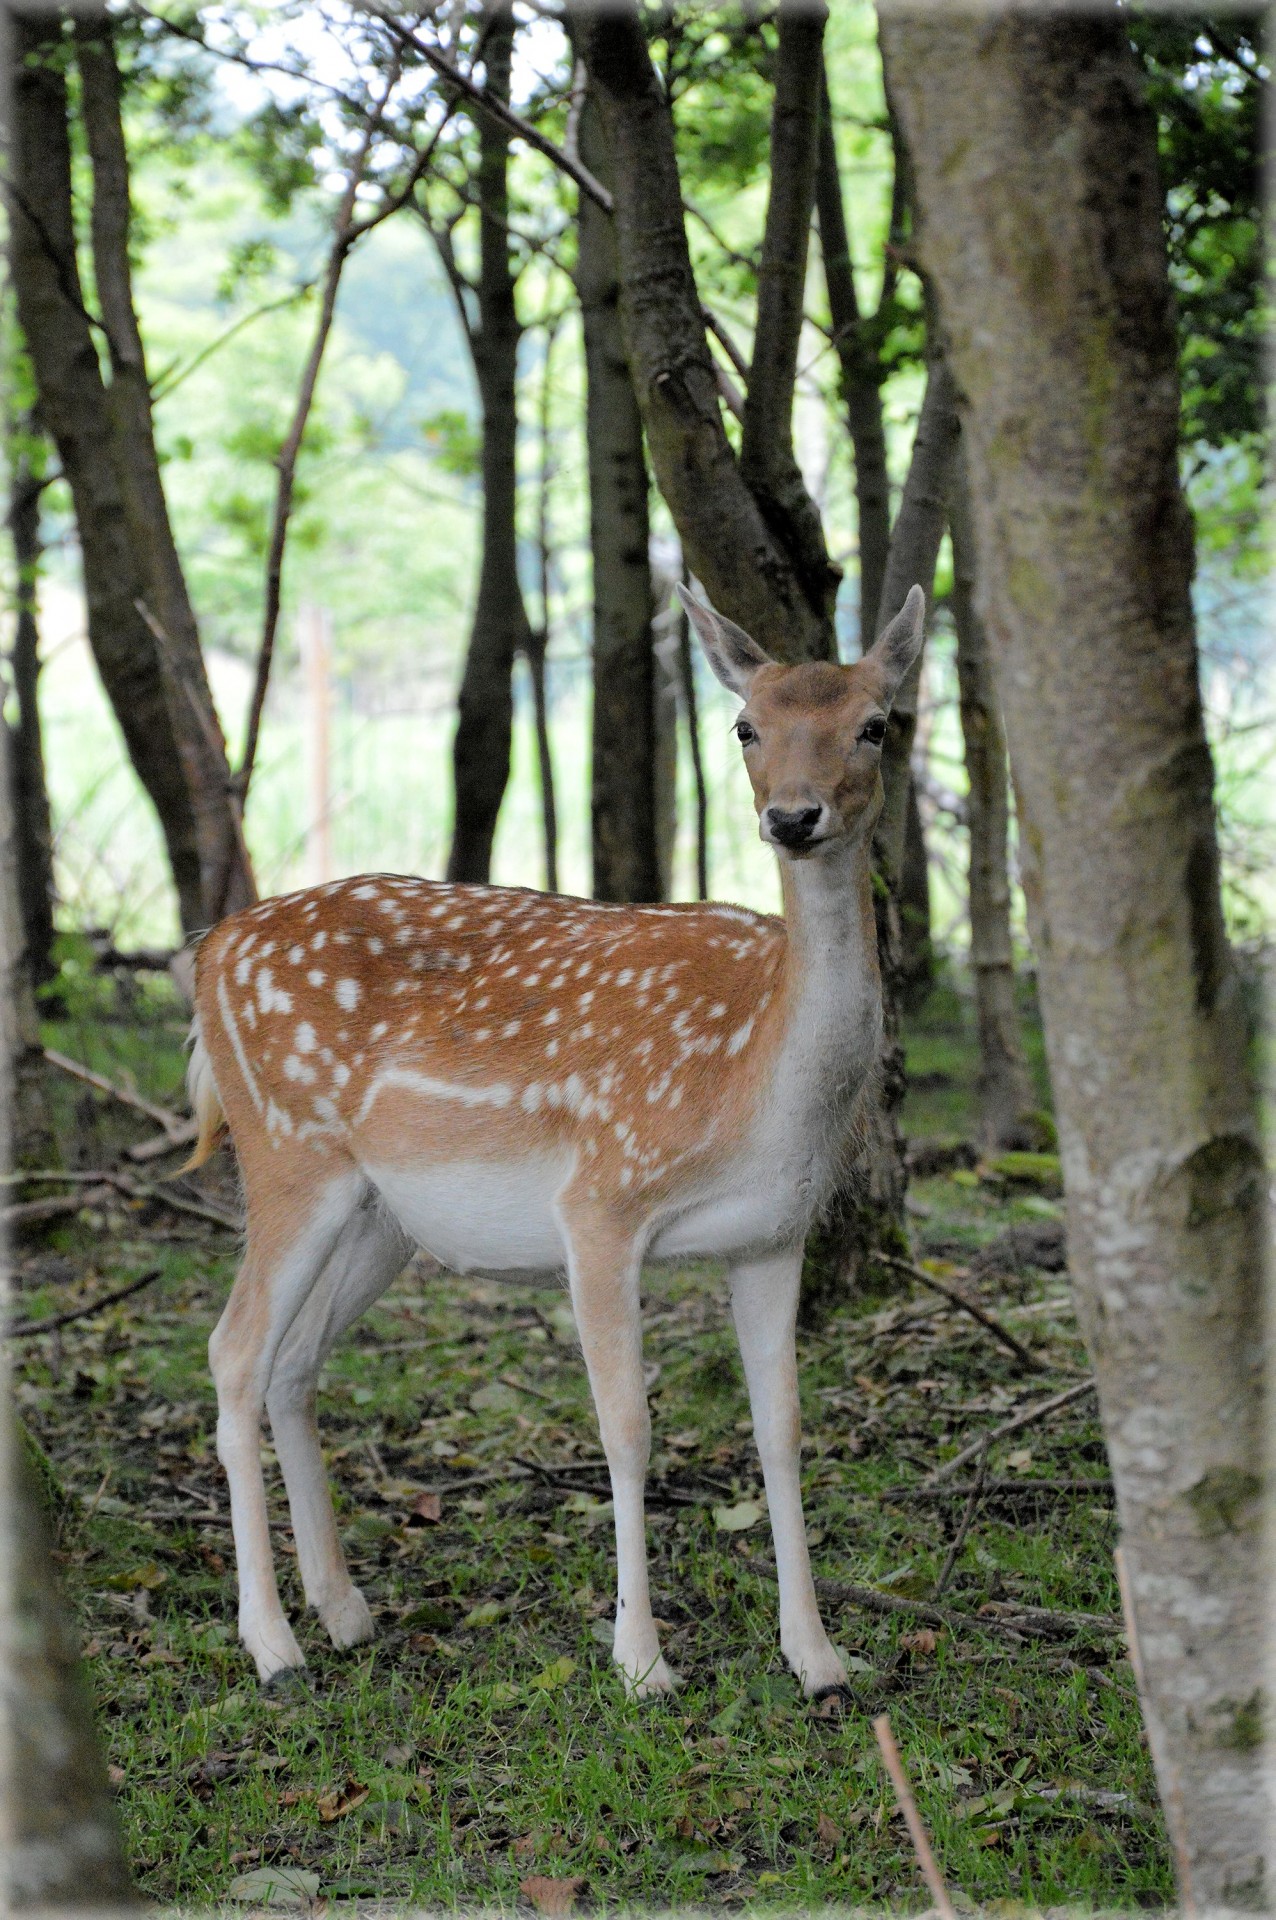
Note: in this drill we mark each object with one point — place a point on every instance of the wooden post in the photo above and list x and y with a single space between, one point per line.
315 634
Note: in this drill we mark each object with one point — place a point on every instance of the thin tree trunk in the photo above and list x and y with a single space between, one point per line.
33 822
74 408
666 724
1041 228
626 860
1006 1096
767 462
860 366
916 952
226 877
687 664
540 638
745 568
866 1214
501 629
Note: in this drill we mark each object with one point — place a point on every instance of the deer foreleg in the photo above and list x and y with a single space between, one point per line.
764 1297
603 1272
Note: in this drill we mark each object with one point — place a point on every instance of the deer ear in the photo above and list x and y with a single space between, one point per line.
728 649
899 644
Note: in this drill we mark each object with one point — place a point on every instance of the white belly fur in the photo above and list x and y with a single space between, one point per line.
481 1216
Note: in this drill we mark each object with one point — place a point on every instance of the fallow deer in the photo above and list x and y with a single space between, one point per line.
528 1085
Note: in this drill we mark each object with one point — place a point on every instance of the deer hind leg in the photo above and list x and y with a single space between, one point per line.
291 1234
603 1269
369 1253
764 1298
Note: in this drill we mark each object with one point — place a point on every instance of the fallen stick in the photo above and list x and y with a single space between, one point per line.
122 1183
908 1807
1023 1489
27 1212
25 1328
162 1143
162 1116
1026 1419
1023 1354
959 1542
1039 1623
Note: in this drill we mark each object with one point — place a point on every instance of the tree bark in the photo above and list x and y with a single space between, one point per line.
226 876
59 1842
501 629
745 568
916 952
626 857
33 826
156 717
860 367
1041 228
1006 1097
767 462
866 1214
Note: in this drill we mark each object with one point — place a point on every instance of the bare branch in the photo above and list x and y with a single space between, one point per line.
495 108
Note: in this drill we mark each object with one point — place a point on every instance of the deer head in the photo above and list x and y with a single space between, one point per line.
812 734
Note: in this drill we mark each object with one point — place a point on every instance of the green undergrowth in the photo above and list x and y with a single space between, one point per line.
483 1737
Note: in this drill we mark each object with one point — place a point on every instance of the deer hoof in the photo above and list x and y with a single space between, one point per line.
348 1619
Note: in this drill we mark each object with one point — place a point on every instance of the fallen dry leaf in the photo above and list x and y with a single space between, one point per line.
554 1898
116 1776
827 1832
342 1800
427 1507
525 1846
920 1640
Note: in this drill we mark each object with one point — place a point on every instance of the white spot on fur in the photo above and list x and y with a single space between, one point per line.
347 995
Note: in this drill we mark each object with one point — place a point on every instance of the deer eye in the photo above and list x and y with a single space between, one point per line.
744 733
874 730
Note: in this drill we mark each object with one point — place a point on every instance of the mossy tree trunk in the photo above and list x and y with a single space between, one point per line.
1041 228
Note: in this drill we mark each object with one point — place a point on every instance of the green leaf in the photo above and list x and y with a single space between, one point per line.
274 1887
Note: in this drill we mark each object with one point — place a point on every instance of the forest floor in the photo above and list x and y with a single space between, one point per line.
481 1753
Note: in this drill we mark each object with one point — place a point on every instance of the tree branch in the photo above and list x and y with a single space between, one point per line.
343 237
495 108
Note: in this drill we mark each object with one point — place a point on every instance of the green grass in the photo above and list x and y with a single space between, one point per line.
486 1725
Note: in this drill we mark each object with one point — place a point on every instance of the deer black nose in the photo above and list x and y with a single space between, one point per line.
792 827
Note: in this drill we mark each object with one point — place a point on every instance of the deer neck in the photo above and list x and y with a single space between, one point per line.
832 984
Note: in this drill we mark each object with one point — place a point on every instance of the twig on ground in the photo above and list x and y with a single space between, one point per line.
1001 1486
1038 1623
1023 1354
959 1541
1167 1771
28 1212
908 1807
101 1183
162 1143
25 1328
163 1116
1028 1418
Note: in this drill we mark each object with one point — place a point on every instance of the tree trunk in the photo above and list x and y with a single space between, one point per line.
1041 228
1006 1097
33 827
501 629
626 859
61 1839
59 1842
227 881
666 767
767 462
73 406
916 953
861 378
746 569
866 1214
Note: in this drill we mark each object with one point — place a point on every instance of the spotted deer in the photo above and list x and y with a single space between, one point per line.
530 1086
